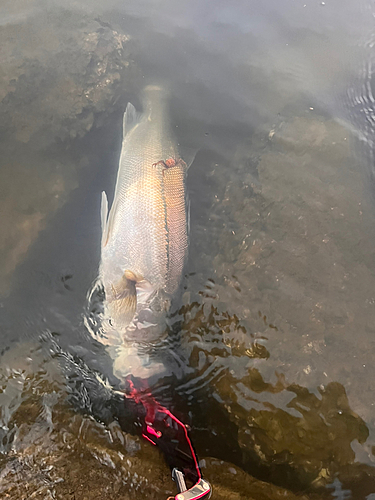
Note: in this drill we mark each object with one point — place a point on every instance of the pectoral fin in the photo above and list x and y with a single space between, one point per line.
123 300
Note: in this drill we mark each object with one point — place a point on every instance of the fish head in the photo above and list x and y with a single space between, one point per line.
131 344
136 312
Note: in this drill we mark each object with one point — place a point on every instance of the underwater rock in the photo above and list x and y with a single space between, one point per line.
55 451
291 260
62 72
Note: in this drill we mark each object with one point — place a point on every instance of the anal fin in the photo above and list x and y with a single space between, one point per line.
104 217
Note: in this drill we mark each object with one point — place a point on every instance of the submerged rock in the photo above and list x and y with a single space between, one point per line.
54 451
60 70
284 258
60 74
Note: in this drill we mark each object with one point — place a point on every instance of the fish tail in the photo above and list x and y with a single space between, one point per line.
155 99
155 90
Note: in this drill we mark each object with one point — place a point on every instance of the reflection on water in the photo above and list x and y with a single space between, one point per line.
268 347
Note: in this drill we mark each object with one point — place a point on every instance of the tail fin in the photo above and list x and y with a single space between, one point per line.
154 99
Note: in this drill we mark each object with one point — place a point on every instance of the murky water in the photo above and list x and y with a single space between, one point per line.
270 343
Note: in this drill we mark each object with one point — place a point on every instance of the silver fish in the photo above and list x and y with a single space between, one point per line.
145 236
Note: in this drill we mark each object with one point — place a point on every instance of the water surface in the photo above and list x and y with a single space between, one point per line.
270 342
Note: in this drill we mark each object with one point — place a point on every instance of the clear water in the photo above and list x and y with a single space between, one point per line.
270 342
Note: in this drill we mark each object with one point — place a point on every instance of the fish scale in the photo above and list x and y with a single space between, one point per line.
174 191
145 235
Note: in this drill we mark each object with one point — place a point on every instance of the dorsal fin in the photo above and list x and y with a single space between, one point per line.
188 154
131 118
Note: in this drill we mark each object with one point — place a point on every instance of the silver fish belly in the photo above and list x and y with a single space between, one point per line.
144 237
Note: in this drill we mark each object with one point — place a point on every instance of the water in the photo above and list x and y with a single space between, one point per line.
270 342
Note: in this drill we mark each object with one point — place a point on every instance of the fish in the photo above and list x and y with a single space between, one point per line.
144 239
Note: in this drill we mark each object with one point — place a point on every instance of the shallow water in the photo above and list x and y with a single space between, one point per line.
270 342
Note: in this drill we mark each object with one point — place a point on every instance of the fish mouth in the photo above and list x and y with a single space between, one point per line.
147 325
